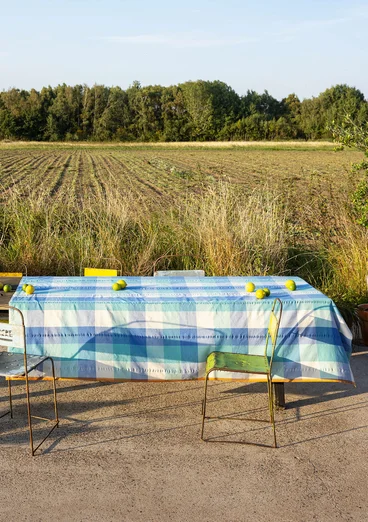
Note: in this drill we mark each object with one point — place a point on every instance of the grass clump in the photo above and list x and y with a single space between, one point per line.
224 229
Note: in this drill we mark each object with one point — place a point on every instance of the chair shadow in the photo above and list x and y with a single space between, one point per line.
319 393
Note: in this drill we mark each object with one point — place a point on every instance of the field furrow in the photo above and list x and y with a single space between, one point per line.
62 173
160 175
24 175
95 173
136 174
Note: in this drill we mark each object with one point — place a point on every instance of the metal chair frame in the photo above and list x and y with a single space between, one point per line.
27 369
272 333
14 274
174 272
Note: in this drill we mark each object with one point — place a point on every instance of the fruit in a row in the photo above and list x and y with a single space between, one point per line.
28 289
119 285
290 285
261 293
5 288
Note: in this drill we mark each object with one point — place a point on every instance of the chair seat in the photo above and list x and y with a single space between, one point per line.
12 364
237 362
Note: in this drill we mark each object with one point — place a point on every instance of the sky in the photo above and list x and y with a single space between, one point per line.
284 46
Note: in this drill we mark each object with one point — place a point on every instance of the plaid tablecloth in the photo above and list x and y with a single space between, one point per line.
163 328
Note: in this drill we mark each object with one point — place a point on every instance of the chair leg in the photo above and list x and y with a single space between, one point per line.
34 449
54 390
10 410
204 405
29 415
10 398
272 410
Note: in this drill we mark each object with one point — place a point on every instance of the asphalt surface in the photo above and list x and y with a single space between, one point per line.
132 452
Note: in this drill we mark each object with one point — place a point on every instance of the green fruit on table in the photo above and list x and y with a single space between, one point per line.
290 285
122 283
7 288
267 291
250 287
24 287
1 286
116 287
30 290
260 294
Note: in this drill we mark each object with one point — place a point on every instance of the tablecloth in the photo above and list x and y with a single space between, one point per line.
164 328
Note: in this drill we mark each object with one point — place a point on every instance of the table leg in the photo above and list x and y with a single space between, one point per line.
279 395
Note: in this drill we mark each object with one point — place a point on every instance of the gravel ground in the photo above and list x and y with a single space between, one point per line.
132 452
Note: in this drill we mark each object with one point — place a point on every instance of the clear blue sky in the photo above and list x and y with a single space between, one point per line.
284 46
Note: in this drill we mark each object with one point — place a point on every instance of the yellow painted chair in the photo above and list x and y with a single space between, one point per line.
99 272
109 272
244 363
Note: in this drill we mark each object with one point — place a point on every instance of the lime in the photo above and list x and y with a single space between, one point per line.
290 285
116 286
30 290
24 287
122 283
250 287
1 286
7 288
267 291
260 294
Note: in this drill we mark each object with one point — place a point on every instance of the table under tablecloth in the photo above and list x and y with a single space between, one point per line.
163 328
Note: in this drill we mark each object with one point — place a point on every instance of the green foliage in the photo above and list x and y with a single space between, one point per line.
349 134
192 111
360 201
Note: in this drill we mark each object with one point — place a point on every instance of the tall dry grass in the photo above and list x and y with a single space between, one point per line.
224 230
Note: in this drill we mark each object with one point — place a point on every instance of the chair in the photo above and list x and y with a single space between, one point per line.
8 278
99 272
19 365
180 273
104 271
259 364
175 273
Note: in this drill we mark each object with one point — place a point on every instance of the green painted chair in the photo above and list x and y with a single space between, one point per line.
259 364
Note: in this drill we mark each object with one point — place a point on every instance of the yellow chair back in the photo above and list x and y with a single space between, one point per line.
100 272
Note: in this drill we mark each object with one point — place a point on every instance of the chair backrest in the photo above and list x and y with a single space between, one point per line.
167 259
273 328
180 273
15 274
13 335
110 272
100 272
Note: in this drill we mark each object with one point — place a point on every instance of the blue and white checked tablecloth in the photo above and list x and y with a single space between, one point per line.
163 328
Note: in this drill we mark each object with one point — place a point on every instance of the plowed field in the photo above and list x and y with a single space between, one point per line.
161 176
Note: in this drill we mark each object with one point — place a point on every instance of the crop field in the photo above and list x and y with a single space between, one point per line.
159 175
231 209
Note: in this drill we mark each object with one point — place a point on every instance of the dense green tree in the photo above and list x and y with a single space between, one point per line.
195 110
333 104
198 101
115 119
175 116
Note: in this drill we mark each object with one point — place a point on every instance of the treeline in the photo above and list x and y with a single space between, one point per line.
191 111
